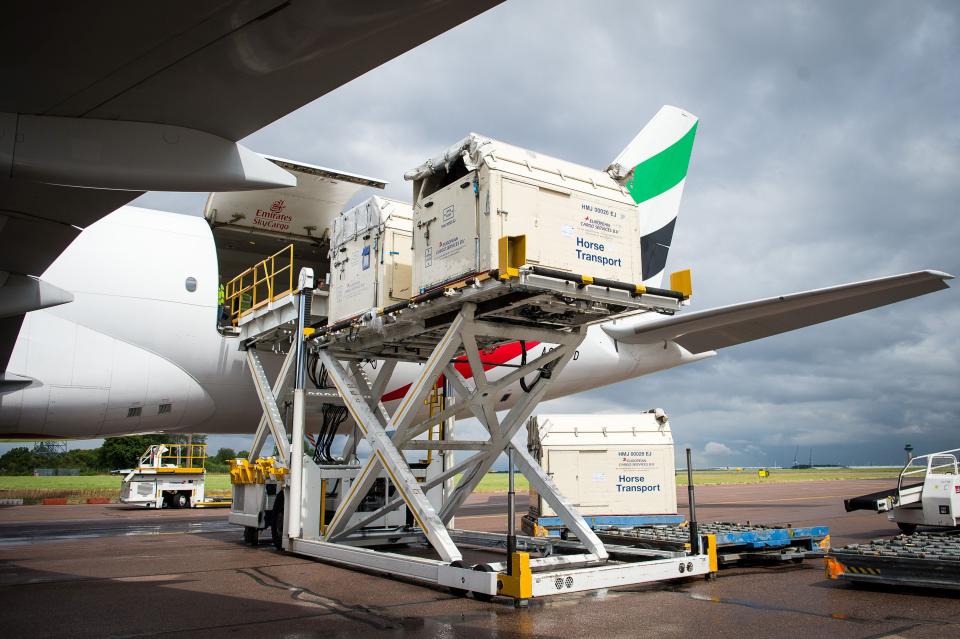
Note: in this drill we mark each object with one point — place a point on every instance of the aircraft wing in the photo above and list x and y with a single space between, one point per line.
739 323
101 102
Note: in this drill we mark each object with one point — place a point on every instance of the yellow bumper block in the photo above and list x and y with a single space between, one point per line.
519 585
243 472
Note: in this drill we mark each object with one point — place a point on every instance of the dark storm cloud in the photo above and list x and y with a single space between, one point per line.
828 151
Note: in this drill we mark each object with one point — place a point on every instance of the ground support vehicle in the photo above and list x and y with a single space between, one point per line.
926 560
167 476
376 513
927 494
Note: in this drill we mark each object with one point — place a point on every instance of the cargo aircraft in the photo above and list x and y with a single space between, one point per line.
110 322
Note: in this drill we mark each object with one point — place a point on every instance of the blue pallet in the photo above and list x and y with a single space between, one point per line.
757 539
771 537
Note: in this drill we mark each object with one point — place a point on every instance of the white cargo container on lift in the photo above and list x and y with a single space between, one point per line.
617 470
562 216
370 257
167 475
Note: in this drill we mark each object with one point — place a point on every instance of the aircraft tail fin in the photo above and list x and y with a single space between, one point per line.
653 169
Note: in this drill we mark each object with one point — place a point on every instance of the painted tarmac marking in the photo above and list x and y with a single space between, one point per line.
767 501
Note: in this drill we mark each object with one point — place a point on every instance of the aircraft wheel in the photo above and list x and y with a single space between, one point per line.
251 535
907 529
276 526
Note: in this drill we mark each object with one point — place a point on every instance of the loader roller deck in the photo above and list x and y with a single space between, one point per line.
538 301
925 560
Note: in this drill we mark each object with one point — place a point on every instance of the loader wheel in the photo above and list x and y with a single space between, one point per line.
180 500
907 529
458 592
482 596
251 535
276 526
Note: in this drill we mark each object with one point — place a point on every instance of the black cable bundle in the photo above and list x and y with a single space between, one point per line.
319 378
333 418
523 362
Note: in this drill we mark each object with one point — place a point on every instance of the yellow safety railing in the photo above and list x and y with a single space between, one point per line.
264 282
183 457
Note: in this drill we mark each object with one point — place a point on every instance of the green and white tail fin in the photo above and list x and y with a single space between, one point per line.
653 169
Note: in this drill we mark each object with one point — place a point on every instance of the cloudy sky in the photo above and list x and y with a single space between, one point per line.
828 151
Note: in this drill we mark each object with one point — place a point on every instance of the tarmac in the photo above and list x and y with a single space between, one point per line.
116 571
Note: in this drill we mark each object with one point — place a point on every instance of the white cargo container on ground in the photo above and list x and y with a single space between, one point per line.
614 224
615 469
370 257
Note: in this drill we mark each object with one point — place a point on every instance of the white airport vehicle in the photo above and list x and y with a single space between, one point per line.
927 494
167 476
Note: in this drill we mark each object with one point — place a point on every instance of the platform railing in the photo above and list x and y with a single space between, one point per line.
266 281
915 472
182 456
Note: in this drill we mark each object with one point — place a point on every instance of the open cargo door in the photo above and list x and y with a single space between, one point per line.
250 226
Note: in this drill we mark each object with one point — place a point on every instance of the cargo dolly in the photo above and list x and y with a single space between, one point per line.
735 542
314 509
925 560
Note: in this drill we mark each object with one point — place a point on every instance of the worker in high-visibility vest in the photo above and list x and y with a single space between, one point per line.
221 300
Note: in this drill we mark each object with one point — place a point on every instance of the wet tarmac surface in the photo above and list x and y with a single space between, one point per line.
111 571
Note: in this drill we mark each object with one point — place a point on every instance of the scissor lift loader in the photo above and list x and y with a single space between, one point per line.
319 507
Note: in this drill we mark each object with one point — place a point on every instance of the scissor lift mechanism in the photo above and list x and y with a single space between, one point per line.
455 324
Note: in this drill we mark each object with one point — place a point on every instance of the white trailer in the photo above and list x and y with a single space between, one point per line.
167 475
